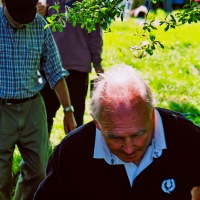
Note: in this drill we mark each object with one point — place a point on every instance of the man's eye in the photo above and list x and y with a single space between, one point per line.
113 137
142 132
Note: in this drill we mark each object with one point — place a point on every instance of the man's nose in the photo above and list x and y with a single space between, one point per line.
128 146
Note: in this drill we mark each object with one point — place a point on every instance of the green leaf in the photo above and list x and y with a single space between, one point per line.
152 36
103 10
167 28
74 23
47 25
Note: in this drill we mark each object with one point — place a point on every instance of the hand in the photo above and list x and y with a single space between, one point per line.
69 122
99 70
195 193
41 9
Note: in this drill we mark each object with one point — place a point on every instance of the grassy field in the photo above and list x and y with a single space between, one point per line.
172 73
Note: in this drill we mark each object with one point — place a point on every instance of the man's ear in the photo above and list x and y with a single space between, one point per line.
97 124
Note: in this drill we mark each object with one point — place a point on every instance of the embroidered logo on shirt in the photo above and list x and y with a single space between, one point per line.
168 185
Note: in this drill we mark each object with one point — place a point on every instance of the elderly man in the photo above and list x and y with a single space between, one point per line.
25 49
131 150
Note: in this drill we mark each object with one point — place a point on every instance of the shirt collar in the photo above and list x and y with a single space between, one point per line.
101 150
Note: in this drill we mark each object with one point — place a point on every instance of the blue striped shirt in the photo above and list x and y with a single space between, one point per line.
23 54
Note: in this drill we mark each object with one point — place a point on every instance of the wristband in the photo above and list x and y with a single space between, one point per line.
67 109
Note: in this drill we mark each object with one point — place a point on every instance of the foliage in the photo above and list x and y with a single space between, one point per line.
90 12
189 14
57 20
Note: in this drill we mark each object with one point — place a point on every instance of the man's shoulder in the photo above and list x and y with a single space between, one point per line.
83 135
177 121
78 143
171 114
88 128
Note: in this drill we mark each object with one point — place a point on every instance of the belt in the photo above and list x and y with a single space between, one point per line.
16 101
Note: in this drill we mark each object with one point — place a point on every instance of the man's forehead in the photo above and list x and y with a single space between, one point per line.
125 122
124 127
128 119
125 106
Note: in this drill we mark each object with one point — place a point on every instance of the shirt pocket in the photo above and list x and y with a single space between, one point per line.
33 56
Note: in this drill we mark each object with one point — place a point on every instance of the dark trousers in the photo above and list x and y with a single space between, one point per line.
77 83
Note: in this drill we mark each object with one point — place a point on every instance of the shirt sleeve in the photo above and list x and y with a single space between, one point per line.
96 45
52 64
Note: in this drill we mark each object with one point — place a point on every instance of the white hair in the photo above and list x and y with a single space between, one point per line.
119 84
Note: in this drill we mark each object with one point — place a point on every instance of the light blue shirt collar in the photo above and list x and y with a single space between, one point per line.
101 151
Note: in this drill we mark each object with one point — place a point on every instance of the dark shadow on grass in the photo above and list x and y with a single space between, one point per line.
187 109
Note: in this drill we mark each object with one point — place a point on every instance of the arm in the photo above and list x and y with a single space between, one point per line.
52 66
62 93
96 45
195 193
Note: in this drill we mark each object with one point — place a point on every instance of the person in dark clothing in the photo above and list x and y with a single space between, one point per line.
80 51
131 150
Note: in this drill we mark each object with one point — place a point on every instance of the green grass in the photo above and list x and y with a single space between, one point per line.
172 73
